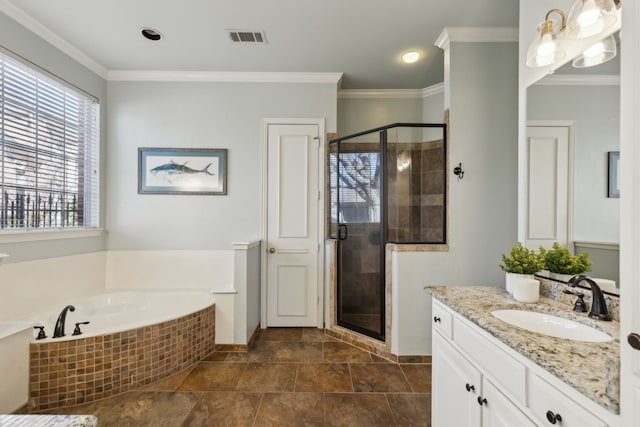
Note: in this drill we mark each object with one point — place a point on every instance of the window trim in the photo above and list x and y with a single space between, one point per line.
39 234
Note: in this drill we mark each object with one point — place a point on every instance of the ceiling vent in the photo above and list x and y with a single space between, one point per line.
247 36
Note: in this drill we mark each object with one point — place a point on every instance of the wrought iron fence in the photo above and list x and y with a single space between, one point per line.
23 209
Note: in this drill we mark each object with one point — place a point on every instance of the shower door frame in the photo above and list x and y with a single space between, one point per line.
382 152
383 133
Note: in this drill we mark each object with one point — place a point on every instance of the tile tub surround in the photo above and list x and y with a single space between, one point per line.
592 369
71 372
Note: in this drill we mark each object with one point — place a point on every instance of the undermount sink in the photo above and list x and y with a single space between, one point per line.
554 326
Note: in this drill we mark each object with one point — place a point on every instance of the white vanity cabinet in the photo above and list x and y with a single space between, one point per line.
462 396
479 382
457 385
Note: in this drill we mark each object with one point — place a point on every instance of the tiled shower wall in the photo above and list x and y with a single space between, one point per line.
416 192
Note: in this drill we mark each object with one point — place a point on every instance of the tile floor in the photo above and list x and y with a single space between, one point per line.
290 377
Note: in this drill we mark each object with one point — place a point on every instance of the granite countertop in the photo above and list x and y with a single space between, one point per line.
593 369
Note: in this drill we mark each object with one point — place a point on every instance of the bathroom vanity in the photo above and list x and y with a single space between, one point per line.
487 372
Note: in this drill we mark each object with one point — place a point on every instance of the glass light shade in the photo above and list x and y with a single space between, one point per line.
544 50
601 52
411 57
588 18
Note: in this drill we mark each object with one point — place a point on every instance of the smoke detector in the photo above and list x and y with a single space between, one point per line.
247 36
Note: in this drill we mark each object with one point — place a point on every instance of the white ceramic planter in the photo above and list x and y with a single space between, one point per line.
526 290
510 280
556 276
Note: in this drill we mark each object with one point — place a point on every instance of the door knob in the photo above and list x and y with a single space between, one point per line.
272 250
634 340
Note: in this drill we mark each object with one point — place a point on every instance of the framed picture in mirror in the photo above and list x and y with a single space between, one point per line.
614 174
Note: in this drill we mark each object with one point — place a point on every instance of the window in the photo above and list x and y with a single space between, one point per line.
49 139
359 175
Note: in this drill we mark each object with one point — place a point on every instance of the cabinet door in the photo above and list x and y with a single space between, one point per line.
498 411
456 387
547 401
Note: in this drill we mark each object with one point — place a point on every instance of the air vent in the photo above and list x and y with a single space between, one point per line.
247 36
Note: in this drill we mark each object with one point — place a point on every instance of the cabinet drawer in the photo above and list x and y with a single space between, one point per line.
506 371
544 398
442 319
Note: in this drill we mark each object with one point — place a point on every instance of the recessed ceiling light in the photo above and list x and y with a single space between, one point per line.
411 57
151 34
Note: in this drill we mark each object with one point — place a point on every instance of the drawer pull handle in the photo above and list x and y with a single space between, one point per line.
437 319
553 418
470 387
482 401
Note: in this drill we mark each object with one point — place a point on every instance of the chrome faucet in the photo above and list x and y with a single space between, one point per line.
59 329
598 304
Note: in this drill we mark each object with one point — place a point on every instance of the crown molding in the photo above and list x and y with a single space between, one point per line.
223 76
580 80
433 90
379 93
390 93
18 15
476 35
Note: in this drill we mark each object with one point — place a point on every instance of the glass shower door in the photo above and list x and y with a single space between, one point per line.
356 167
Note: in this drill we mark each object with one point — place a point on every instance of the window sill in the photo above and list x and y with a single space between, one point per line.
19 236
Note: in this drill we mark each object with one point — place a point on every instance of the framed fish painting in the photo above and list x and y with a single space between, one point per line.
182 171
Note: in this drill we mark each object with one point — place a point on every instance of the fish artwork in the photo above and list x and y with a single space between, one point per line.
172 171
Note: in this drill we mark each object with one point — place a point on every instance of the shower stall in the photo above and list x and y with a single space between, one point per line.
387 185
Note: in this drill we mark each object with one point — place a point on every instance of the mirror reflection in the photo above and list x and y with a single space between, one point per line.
573 126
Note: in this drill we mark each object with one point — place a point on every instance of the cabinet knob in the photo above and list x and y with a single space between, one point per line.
436 319
634 340
553 418
272 250
482 401
470 387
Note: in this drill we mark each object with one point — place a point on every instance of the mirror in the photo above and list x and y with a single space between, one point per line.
573 125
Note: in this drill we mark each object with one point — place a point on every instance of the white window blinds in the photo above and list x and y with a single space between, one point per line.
357 176
49 136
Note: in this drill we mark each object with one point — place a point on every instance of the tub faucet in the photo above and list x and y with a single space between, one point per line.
59 329
598 304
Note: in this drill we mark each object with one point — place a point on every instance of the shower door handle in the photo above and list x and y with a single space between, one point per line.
341 235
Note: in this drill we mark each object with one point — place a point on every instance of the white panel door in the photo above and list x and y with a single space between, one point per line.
548 202
630 217
293 225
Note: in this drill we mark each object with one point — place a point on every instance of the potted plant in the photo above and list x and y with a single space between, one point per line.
521 262
562 265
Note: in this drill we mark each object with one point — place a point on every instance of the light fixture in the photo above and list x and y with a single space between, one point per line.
410 57
599 53
588 18
544 48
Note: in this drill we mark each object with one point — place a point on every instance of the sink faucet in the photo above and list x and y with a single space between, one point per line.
598 303
59 329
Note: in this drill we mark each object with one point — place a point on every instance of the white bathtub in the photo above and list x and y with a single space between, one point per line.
117 311
134 338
